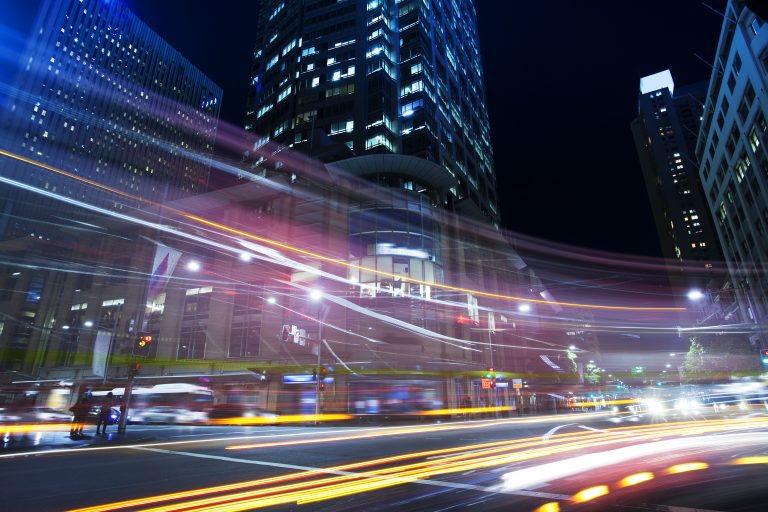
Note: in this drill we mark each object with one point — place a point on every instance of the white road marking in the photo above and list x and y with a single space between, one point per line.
551 431
437 483
267 433
597 429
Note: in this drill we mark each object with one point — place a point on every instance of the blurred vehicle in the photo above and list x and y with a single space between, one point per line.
196 400
624 412
168 414
10 415
48 415
93 415
236 412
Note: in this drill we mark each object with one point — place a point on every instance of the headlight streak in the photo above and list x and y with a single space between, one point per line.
590 493
481 456
686 467
635 479
233 231
761 459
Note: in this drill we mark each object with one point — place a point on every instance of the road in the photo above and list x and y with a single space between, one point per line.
556 463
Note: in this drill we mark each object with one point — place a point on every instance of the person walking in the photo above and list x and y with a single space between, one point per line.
104 413
79 414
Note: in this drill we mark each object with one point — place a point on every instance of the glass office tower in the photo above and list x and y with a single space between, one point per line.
382 76
100 95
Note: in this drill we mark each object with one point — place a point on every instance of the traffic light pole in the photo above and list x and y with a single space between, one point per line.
493 390
126 403
317 367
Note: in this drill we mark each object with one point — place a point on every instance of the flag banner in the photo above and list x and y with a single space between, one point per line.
100 359
163 265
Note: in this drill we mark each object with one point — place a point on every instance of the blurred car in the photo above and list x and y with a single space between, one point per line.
169 414
625 412
8 415
48 415
113 419
239 413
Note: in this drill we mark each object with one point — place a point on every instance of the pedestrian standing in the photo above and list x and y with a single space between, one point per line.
79 413
104 412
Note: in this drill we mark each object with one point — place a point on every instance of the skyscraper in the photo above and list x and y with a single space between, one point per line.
381 76
665 133
99 95
731 149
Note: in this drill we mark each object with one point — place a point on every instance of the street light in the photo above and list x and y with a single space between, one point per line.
193 266
572 347
524 308
695 295
317 296
271 300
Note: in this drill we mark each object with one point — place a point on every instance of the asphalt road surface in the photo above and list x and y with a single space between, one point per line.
565 462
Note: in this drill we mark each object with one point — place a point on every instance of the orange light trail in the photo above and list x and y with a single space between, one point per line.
328 259
470 457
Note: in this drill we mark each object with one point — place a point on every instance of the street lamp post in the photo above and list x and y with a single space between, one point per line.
317 296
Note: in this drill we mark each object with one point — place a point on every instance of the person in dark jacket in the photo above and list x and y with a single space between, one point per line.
104 412
79 415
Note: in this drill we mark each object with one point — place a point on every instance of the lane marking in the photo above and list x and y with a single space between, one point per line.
597 430
77 449
551 431
436 483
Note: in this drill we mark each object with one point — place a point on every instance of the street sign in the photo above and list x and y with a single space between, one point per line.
517 383
486 383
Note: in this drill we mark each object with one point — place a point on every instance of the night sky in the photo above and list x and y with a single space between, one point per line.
562 81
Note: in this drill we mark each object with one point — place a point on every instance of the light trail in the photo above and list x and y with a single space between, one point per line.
317 256
471 457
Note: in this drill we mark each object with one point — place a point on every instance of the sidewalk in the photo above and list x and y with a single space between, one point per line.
57 437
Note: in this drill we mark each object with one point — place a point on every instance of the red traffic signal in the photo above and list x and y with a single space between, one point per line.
133 369
143 344
323 372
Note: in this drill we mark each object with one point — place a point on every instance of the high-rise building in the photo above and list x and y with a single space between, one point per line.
101 96
665 135
731 149
378 76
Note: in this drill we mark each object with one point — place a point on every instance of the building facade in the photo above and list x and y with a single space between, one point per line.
665 135
731 149
381 76
394 314
102 97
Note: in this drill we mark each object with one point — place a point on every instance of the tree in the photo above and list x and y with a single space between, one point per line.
717 357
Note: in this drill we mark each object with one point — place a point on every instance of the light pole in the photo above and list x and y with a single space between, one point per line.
317 296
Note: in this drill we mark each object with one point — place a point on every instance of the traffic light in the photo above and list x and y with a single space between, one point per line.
322 386
489 375
143 344
764 356
133 370
323 373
